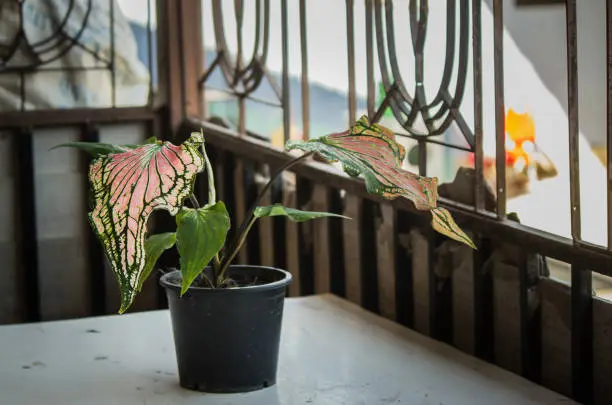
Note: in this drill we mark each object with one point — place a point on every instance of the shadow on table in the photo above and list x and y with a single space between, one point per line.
170 389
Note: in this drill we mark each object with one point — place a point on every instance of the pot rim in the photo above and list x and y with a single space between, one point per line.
165 282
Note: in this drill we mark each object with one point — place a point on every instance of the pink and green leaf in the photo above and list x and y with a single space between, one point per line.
371 150
126 188
443 222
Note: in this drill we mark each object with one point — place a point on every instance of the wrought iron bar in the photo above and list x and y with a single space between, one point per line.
285 50
582 283
479 196
112 52
150 53
572 102
369 57
305 85
500 109
449 57
418 28
400 110
239 16
455 103
350 45
609 118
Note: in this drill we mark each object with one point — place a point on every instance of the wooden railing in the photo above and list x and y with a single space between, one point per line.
52 266
496 303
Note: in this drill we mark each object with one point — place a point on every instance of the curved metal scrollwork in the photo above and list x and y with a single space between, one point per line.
439 113
243 78
46 50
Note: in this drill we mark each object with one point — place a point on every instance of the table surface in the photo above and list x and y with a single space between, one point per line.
332 352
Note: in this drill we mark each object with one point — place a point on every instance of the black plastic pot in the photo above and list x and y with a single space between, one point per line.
227 339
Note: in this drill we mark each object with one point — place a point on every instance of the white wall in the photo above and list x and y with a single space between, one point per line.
539 32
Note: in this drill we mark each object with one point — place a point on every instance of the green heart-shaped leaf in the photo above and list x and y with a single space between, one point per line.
200 234
291 213
96 149
155 245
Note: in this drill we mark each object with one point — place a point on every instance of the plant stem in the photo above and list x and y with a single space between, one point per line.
250 219
194 201
212 199
212 193
219 278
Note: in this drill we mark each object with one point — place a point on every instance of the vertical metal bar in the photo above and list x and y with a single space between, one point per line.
609 123
582 334
582 284
21 73
477 67
369 58
22 95
26 225
150 54
500 109
242 116
239 14
572 103
422 156
350 43
305 86
112 51
285 50
178 26
192 49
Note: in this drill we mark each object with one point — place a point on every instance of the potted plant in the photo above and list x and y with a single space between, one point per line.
226 318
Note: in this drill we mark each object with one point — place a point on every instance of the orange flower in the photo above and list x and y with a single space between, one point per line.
520 134
520 131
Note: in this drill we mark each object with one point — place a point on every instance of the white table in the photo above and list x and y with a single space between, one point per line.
333 352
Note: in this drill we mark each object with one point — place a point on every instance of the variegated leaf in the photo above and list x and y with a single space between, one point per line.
126 188
371 150
443 222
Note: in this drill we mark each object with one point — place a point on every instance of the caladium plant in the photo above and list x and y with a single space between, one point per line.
129 182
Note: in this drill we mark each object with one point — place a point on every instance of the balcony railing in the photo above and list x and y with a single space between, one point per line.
497 303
